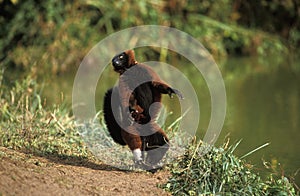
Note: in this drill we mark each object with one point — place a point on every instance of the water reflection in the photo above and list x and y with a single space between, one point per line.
264 106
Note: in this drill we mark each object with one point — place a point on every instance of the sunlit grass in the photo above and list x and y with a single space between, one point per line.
207 170
26 125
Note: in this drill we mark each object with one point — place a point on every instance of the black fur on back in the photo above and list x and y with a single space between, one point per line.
144 96
113 127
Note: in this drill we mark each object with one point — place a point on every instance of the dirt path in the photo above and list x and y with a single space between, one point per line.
24 174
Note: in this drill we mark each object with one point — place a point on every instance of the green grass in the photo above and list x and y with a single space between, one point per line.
209 170
26 125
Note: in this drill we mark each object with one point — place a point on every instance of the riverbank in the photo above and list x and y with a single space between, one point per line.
27 174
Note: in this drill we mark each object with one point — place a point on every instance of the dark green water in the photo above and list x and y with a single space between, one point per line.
263 106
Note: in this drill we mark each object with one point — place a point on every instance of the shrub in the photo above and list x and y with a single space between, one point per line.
208 170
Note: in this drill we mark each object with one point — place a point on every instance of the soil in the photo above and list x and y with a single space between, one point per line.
27 174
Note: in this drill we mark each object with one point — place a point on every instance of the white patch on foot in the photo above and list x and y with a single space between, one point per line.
137 154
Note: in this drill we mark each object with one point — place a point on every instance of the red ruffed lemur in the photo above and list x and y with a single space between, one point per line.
131 109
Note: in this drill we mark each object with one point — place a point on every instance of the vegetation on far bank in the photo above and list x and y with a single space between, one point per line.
54 36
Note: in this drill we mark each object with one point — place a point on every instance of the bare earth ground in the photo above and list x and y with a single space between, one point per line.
25 174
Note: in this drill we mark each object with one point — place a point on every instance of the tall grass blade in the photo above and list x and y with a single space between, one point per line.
256 149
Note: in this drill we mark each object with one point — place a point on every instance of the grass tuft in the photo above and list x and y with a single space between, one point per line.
205 170
26 125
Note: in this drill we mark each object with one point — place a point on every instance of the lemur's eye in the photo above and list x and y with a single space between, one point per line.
121 56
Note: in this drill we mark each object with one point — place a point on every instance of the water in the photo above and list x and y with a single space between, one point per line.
263 106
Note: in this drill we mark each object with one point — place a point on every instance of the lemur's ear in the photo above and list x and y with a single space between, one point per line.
131 58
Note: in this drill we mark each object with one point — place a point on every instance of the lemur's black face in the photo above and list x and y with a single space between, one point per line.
120 62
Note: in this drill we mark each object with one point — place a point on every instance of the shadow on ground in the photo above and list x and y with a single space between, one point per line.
72 160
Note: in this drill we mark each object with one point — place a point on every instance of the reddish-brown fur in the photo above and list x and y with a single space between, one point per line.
139 128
